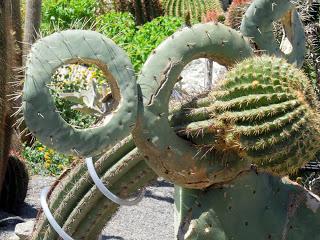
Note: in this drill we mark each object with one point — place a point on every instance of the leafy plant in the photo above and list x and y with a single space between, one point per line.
45 161
63 13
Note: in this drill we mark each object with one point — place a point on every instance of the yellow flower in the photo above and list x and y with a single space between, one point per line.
47 165
47 156
51 151
40 149
60 166
48 161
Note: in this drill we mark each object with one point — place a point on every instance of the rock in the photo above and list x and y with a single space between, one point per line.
24 230
14 237
194 78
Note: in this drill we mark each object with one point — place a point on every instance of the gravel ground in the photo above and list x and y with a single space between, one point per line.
152 218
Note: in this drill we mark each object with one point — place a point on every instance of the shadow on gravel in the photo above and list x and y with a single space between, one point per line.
112 238
162 183
149 194
28 211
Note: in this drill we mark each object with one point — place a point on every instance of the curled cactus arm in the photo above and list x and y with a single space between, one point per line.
170 156
39 110
258 25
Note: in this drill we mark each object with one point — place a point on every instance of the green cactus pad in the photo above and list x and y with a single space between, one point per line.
170 156
40 113
258 24
253 206
268 110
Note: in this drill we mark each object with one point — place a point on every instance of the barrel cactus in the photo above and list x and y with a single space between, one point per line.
235 13
225 150
143 10
268 110
195 9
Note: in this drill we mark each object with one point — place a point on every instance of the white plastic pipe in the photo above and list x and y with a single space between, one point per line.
105 191
52 221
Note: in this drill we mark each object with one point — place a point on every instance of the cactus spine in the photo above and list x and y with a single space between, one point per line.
10 198
143 10
267 109
257 121
235 13
195 9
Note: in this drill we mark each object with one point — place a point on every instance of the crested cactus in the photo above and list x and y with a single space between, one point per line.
195 9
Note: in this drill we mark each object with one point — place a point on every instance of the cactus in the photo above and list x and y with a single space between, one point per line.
235 13
143 10
195 9
257 24
254 206
225 145
78 205
169 155
38 104
268 111
10 197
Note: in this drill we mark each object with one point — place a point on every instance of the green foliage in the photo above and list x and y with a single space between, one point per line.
149 36
63 13
120 27
138 42
44 161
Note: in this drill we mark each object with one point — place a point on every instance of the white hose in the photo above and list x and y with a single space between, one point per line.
52 221
100 186
105 191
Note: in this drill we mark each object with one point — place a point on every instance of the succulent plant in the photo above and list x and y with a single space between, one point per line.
223 150
258 22
195 9
10 197
235 13
267 110
143 10
15 186
254 206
